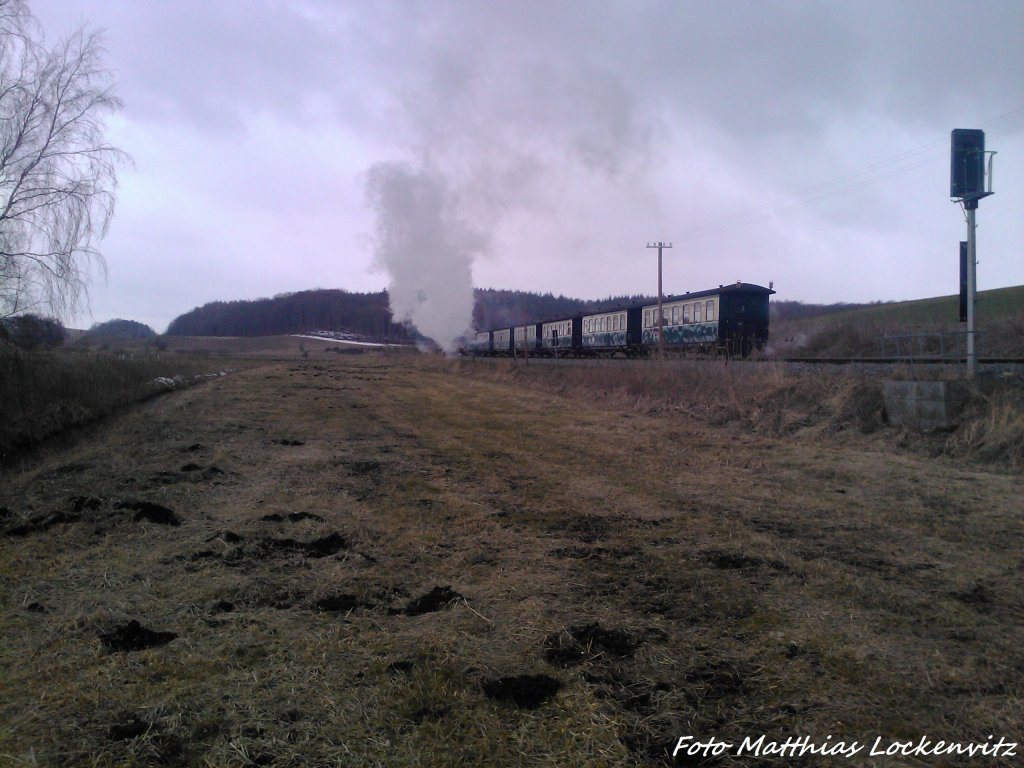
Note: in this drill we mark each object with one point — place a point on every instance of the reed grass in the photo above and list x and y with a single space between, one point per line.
43 394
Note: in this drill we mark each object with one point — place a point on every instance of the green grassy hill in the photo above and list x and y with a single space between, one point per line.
860 331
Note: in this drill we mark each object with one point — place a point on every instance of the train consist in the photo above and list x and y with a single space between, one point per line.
731 320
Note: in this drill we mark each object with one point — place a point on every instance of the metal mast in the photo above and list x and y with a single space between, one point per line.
972 288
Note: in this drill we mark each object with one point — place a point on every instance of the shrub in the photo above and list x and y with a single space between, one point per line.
32 332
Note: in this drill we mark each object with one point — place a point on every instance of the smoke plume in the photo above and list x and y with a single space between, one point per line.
426 250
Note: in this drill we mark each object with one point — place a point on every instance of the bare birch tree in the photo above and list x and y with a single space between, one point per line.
57 171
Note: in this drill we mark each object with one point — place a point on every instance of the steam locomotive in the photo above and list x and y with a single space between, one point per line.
730 319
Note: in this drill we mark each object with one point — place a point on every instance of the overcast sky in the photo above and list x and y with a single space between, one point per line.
805 143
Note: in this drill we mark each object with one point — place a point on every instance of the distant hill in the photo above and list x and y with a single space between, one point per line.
862 330
121 329
796 310
796 328
363 314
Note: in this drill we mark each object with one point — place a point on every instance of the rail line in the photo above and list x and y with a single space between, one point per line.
879 365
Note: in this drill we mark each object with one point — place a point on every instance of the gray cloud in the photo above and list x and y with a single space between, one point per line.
569 134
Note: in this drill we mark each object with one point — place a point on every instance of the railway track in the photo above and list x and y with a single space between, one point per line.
872 365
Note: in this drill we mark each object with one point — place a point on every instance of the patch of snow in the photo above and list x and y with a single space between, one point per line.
346 341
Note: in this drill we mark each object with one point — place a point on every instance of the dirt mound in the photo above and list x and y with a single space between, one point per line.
525 691
726 560
135 637
85 503
324 546
40 523
434 600
340 603
147 510
572 646
129 728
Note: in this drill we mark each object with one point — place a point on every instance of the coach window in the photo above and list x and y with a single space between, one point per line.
710 307
696 312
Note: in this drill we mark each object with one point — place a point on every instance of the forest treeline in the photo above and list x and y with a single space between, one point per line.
497 309
367 314
363 314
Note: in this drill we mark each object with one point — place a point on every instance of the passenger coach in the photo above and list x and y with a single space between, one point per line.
731 320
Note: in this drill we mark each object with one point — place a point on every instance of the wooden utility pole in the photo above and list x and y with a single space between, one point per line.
661 315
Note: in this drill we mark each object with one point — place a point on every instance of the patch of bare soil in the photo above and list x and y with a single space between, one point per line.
397 563
135 637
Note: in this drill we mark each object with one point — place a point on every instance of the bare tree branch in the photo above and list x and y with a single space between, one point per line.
58 174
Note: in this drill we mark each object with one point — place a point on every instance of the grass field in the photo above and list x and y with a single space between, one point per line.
394 561
45 394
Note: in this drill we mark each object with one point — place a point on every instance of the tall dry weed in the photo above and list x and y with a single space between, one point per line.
763 397
992 428
45 393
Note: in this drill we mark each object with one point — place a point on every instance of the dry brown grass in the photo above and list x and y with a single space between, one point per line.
44 394
993 426
247 347
741 581
762 398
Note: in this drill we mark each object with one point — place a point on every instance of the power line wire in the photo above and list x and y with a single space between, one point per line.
872 174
